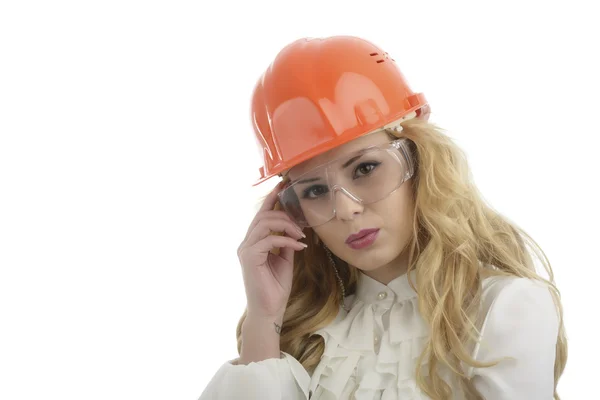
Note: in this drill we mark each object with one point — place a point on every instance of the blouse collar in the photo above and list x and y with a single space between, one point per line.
371 291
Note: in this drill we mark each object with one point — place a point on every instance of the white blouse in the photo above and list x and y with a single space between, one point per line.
371 351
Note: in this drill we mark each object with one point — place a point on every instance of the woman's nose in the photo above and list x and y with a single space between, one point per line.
346 206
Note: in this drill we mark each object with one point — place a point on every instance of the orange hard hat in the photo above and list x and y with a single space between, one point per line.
320 93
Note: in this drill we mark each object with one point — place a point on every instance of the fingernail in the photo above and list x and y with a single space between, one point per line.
302 233
303 244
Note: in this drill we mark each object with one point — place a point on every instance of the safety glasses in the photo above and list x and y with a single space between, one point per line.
366 177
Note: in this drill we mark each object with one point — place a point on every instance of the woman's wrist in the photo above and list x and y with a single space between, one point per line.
260 338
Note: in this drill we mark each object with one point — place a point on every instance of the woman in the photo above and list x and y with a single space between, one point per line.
375 270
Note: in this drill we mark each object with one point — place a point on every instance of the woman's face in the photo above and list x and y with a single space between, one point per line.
388 220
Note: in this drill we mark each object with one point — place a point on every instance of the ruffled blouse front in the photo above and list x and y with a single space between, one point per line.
371 351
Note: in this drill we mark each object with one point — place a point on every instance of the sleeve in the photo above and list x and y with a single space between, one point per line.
522 323
271 379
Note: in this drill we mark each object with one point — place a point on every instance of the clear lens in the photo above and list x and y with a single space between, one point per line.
367 176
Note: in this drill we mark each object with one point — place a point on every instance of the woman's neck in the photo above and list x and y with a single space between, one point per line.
390 271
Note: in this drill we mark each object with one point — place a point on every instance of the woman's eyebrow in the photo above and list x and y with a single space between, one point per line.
307 180
350 161
346 164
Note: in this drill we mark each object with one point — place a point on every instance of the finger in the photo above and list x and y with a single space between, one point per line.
266 207
266 227
271 198
272 242
267 215
287 253
274 213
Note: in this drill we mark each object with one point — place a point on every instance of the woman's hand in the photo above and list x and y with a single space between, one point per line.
268 276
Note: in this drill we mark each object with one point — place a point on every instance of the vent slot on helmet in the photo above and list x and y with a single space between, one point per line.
385 56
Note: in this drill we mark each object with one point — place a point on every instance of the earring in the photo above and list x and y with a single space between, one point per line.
337 275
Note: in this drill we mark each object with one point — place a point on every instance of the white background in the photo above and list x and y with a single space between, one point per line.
126 159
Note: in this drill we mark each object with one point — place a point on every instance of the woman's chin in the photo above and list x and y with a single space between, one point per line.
372 260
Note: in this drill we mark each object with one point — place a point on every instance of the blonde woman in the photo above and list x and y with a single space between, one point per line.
375 270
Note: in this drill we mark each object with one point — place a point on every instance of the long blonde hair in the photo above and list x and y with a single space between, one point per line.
454 233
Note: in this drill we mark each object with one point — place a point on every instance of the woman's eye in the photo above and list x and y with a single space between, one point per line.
314 191
365 168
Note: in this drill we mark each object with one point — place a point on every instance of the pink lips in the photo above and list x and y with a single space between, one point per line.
362 239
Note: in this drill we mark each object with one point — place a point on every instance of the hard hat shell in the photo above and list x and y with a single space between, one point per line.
320 93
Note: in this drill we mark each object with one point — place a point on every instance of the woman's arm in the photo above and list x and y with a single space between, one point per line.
281 378
522 323
260 339
262 371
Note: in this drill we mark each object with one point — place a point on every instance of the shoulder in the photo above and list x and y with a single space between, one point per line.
512 292
515 307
